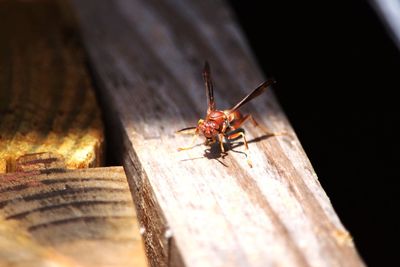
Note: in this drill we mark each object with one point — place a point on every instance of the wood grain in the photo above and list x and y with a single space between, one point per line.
198 207
18 249
47 102
81 217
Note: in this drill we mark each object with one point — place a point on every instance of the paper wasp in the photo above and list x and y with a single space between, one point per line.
221 124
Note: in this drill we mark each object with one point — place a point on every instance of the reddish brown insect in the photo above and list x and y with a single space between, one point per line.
221 124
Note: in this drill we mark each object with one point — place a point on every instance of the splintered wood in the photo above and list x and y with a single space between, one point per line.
68 218
47 103
199 207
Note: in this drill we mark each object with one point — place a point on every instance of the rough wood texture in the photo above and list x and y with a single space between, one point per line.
199 208
68 218
39 161
18 249
47 103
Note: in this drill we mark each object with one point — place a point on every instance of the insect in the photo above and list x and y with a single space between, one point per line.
224 124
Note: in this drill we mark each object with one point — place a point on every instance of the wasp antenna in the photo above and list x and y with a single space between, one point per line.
187 130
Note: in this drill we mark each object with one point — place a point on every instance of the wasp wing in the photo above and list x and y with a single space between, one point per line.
256 92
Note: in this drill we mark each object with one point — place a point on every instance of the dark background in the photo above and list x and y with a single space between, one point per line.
338 75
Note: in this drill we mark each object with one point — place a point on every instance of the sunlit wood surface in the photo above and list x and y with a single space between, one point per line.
50 122
68 218
47 101
200 207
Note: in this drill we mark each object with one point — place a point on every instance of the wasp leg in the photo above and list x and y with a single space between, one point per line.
241 121
241 134
191 144
262 127
221 142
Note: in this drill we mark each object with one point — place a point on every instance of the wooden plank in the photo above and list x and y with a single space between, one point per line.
18 249
50 121
47 102
68 218
201 208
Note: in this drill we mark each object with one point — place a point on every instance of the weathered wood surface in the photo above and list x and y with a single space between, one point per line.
47 102
18 249
199 208
69 218
50 216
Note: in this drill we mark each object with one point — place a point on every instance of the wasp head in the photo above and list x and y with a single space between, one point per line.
208 128
214 124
